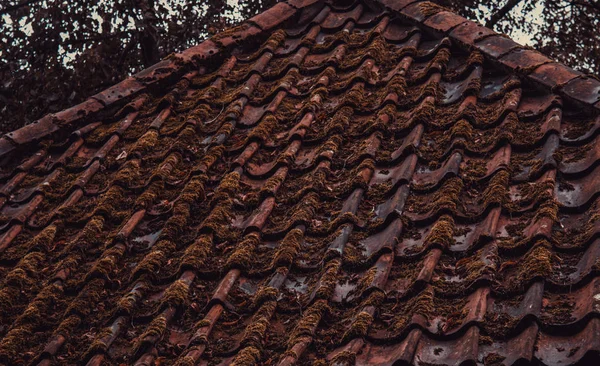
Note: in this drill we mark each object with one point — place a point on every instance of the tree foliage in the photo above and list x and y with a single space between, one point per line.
54 54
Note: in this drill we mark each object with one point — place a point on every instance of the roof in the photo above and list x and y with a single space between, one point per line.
358 182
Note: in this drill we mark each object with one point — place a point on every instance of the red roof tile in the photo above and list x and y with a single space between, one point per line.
325 183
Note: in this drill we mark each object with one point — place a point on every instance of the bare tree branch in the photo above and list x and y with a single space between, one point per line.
501 13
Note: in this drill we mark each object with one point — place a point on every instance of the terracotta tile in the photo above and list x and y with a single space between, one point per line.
444 21
496 46
397 4
33 131
272 17
120 91
302 3
523 60
470 32
236 36
553 74
583 89
203 51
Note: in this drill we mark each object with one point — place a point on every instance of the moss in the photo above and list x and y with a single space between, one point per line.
359 326
493 359
176 295
196 254
146 143
147 198
37 311
255 332
537 263
23 275
428 8
366 280
243 256
269 188
83 303
247 357
68 325
186 361
309 322
14 342
228 187
153 261
496 192
106 265
265 294
473 170
328 280
426 110
128 173
288 249
442 232
155 330
344 358
420 304
549 209
91 235
447 197
265 128
110 202
202 112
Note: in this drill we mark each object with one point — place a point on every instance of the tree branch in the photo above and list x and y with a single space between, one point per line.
497 16
24 3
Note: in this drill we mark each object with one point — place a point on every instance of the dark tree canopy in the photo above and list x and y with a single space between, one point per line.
54 54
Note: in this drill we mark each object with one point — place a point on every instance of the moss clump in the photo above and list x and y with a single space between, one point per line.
176 295
145 144
265 294
128 173
68 325
211 156
148 197
359 326
328 280
268 189
264 130
243 255
537 263
421 304
154 331
309 322
255 332
110 203
493 359
442 232
153 261
196 254
248 356
90 236
496 192
447 197
288 249
128 302
344 358
105 267
91 294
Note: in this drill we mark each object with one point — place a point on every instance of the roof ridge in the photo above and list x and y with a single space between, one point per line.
172 67
523 61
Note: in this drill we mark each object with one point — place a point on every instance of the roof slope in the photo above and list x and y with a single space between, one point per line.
349 183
